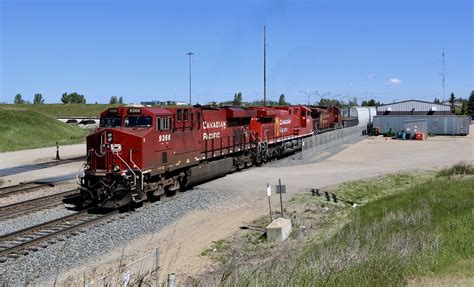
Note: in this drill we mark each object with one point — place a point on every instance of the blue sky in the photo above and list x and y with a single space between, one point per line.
137 49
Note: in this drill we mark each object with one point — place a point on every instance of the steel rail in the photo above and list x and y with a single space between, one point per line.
23 187
47 226
34 204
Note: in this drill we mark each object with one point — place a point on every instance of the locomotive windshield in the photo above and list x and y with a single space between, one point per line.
134 122
110 122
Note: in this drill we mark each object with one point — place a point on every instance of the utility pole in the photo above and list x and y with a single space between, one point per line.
444 77
190 54
264 67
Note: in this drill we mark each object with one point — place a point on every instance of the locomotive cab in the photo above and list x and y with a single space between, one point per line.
115 158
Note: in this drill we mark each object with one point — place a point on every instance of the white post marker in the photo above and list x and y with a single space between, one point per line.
269 195
126 278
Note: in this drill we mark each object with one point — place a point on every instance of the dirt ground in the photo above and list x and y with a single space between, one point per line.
182 243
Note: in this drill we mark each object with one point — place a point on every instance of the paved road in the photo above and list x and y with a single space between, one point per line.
37 164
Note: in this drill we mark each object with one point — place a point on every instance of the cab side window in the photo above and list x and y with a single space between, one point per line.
186 115
163 124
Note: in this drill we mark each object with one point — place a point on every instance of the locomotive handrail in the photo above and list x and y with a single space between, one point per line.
134 174
141 172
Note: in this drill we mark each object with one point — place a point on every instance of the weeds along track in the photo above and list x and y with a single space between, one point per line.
28 206
39 236
21 188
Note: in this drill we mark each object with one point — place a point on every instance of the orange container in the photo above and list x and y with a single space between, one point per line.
419 136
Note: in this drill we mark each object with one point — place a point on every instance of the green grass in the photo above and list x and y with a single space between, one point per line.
420 231
462 168
25 129
363 191
215 251
65 110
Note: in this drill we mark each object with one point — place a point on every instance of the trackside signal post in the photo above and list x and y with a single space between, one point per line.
281 189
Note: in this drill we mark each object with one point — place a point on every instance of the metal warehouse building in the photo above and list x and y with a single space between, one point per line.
413 107
435 124
426 117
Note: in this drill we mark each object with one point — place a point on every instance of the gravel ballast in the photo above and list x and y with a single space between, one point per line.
44 264
28 220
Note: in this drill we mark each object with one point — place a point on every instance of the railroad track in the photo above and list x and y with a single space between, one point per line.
39 236
21 188
28 206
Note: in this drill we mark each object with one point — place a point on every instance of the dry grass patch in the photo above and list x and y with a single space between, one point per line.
410 229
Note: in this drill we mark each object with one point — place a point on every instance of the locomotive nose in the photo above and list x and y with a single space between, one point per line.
110 150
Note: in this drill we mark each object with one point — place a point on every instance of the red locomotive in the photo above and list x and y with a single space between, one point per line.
326 118
140 153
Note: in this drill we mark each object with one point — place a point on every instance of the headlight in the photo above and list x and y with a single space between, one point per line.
116 168
109 137
116 147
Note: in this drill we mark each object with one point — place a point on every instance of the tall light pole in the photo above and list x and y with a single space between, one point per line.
264 67
309 94
190 54
444 77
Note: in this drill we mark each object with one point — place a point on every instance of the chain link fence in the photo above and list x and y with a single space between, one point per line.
141 272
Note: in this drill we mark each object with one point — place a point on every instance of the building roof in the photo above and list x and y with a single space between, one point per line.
413 105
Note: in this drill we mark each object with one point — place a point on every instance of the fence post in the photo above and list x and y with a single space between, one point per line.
171 280
157 266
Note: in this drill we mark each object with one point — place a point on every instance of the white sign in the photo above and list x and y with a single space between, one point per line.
269 191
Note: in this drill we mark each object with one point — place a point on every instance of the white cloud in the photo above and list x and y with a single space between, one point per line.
393 82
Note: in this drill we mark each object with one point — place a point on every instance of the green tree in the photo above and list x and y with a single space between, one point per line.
19 99
237 99
370 103
452 98
353 102
73 98
437 101
120 100
38 99
330 102
113 100
470 104
282 101
464 110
